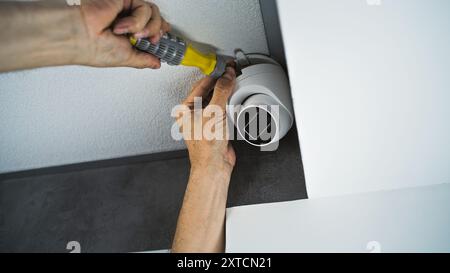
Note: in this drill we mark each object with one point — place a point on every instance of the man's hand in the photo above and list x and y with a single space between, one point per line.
51 33
213 151
201 224
108 22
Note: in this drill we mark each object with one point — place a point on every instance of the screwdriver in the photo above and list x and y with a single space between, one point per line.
174 50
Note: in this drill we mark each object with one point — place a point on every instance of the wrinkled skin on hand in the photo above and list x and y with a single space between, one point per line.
108 22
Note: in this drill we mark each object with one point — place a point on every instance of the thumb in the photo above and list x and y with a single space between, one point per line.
224 88
139 59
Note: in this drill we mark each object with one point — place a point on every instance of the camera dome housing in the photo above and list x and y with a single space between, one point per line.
261 100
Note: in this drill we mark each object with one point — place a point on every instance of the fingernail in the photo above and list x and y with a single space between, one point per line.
121 30
155 39
140 34
156 66
227 76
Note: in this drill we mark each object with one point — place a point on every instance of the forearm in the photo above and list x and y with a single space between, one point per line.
201 223
39 34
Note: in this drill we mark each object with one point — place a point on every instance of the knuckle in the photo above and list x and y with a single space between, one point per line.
223 85
204 84
154 27
139 24
165 26
154 8
219 113
148 8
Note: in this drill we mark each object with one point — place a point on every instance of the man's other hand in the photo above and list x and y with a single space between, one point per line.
108 24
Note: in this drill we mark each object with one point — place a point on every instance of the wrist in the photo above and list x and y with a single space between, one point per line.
40 34
61 37
64 33
212 173
81 42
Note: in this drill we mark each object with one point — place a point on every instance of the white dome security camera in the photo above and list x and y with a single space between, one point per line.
262 105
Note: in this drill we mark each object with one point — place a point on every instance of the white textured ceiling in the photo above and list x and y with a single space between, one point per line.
63 115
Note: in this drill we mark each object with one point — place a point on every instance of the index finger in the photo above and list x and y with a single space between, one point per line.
140 14
224 88
200 89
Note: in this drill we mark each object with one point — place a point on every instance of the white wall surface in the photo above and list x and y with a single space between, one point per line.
371 91
406 220
57 116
